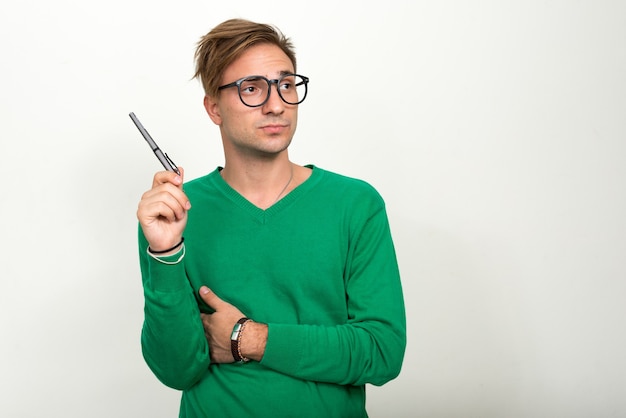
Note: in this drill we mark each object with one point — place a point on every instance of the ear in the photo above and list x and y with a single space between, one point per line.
213 110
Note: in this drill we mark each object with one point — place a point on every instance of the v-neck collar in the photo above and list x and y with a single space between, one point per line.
264 215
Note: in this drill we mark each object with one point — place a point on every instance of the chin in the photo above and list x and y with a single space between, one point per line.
274 147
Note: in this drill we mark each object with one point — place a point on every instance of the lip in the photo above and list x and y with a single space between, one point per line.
273 128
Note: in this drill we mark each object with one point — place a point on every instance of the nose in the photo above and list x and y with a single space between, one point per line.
274 103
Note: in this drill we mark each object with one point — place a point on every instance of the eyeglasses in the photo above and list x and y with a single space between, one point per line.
254 90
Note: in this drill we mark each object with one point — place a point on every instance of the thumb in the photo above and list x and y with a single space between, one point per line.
210 298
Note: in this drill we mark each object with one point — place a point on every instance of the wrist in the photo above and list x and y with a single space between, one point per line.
252 342
167 251
170 257
235 340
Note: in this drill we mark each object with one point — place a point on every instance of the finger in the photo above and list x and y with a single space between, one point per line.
160 210
166 192
211 298
161 205
162 177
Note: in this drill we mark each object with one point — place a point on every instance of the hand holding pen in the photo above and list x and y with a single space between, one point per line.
162 211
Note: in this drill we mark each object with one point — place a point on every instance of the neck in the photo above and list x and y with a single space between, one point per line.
263 183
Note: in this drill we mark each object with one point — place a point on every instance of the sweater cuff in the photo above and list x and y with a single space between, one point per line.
284 346
167 273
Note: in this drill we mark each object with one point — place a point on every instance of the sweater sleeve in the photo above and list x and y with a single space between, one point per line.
369 347
172 339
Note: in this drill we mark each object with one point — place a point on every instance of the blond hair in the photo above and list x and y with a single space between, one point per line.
226 42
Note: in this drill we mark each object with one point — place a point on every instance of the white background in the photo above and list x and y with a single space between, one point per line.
495 131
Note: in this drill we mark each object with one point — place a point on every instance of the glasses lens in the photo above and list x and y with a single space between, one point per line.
253 91
292 88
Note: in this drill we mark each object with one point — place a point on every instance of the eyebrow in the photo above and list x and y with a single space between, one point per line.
280 74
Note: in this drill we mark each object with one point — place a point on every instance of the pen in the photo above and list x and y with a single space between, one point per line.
163 158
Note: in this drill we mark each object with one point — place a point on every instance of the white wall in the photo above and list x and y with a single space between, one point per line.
495 131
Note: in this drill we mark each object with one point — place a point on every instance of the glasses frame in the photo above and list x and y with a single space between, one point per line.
237 83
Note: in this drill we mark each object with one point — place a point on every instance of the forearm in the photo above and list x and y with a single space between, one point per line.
173 341
254 340
368 352
352 354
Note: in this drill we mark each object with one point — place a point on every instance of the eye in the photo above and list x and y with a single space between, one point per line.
253 86
248 89
286 84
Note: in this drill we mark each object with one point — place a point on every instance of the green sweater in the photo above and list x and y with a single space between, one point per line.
318 267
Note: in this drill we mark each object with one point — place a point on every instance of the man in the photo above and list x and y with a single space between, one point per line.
283 298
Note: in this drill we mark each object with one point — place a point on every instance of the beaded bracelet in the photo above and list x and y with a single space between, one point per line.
243 359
